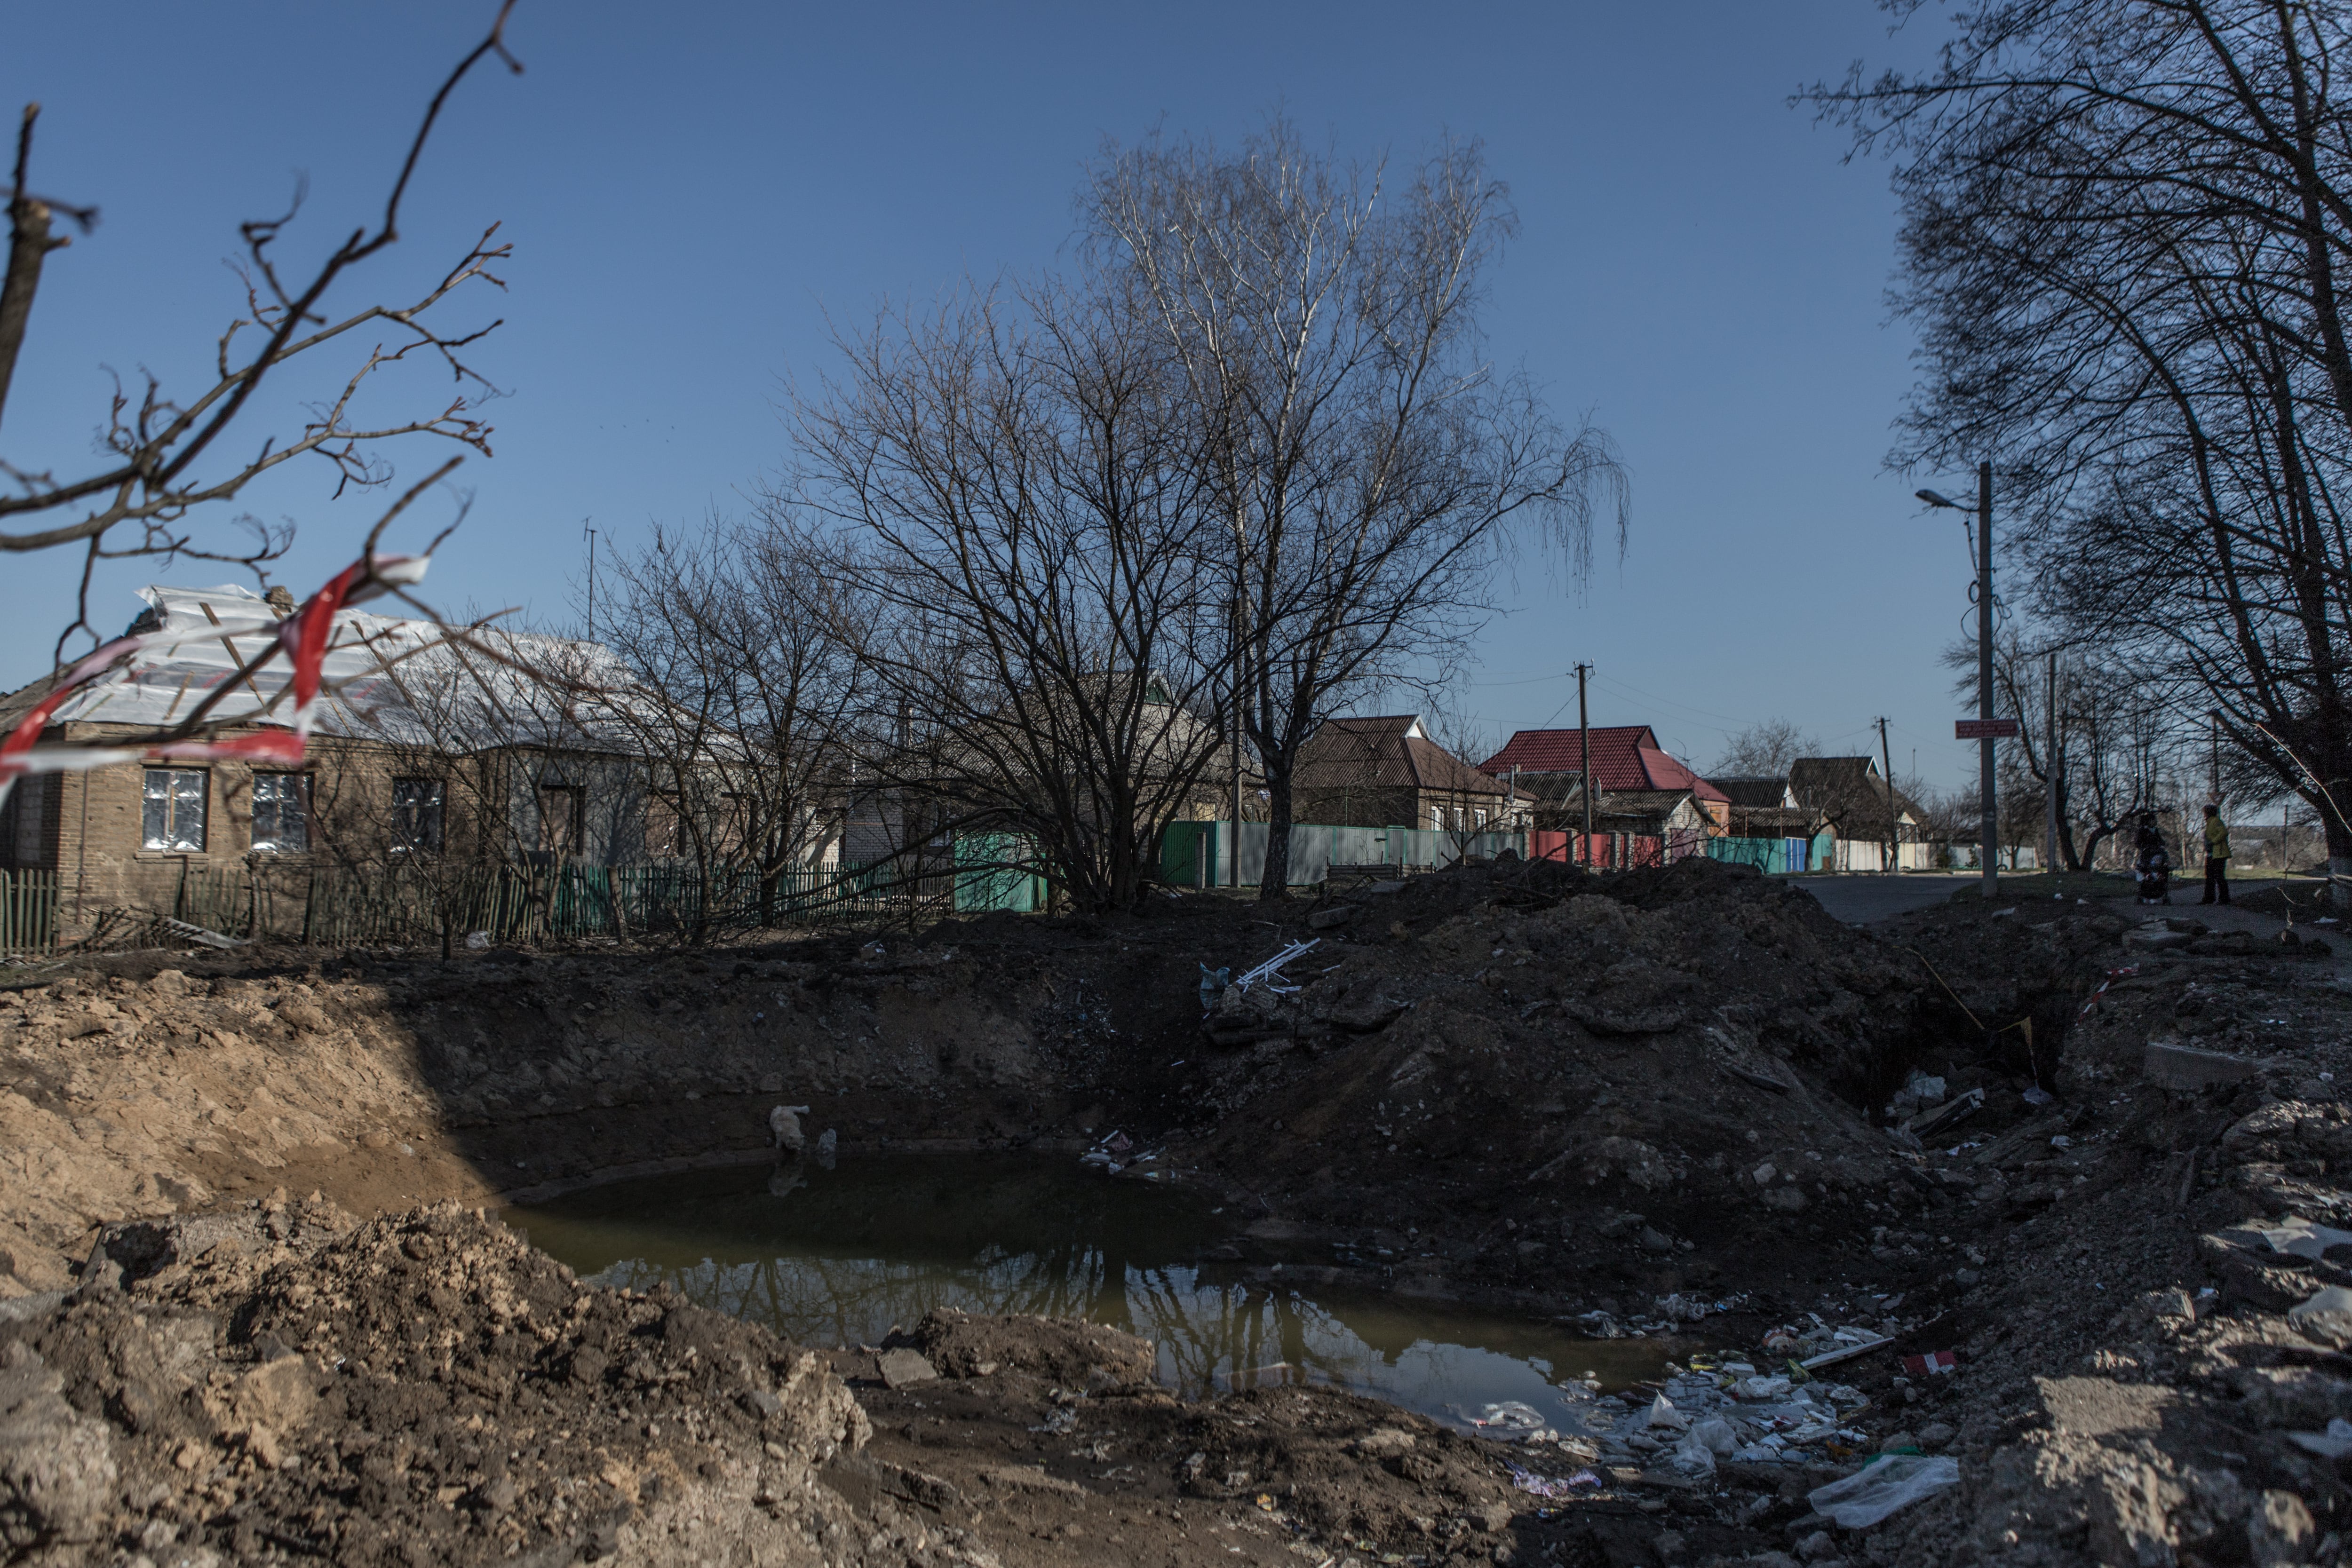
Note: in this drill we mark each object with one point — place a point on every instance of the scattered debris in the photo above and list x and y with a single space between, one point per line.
1888 1483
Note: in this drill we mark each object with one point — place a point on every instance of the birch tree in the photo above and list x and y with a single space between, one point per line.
1365 466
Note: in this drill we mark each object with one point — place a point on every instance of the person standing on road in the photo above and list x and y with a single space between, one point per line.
2217 856
2150 861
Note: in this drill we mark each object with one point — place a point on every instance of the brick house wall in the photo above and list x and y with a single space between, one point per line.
90 827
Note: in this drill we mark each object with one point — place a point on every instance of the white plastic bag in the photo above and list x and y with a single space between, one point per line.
1664 1414
1888 1483
1717 1434
1512 1416
1692 1457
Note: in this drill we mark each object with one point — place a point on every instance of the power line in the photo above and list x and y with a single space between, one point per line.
1631 690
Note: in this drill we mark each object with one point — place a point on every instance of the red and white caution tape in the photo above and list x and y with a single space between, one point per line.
301 636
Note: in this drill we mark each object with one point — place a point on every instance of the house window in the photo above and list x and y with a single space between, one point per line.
281 812
561 808
171 810
416 813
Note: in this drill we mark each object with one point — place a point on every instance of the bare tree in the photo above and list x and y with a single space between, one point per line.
742 676
2125 228
1365 466
164 475
1765 749
163 457
1013 506
489 763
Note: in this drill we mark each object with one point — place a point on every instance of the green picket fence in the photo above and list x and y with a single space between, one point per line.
29 913
340 907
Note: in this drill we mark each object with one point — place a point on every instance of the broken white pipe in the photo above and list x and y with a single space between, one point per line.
1270 971
1845 1353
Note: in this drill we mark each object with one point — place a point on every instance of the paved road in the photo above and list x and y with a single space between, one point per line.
1860 898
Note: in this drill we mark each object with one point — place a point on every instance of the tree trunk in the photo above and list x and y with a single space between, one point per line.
1274 883
2339 847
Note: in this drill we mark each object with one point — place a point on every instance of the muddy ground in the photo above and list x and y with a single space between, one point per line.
1663 1096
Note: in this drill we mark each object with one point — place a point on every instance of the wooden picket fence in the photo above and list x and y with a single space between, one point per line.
28 914
342 906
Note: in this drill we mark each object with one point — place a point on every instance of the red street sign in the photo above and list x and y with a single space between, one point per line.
1984 729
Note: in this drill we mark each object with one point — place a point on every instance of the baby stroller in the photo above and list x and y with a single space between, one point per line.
2154 867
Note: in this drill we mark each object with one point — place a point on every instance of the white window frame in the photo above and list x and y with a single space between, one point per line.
165 832
278 844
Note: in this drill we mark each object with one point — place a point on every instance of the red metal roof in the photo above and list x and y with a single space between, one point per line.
1624 757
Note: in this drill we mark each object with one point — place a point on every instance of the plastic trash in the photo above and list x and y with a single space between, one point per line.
1510 1416
1760 1388
476 941
1919 1089
2297 1238
1717 1434
1692 1456
1551 1486
2332 1444
1933 1365
1212 985
1664 1414
1889 1482
828 1146
2037 1095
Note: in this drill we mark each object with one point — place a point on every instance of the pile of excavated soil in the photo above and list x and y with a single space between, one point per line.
1543 1071
2133 1367
1664 1095
421 1388
148 1084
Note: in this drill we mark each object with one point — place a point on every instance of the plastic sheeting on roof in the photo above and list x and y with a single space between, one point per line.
373 665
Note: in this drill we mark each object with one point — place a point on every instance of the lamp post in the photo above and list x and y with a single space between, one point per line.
1987 790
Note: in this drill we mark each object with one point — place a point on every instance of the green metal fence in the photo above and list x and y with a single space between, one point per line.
29 913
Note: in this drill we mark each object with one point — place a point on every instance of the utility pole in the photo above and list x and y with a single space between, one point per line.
2049 764
592 579
1894 826
1988 787
1584 764
1989 820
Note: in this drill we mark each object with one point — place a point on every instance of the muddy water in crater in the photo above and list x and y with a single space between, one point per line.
837 1257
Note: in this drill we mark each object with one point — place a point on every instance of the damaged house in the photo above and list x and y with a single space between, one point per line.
430 761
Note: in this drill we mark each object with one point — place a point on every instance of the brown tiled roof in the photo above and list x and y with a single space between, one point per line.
1386 751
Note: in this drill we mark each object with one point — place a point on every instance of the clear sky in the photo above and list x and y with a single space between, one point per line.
695 194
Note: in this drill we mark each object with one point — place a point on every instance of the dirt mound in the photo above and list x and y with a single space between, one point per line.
1063 1350
1568 1085
419 1389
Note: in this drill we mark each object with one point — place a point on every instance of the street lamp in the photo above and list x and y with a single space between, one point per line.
1989 842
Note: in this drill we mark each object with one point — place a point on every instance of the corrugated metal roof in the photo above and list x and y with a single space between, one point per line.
1624 757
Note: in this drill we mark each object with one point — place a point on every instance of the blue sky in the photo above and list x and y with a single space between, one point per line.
695 194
